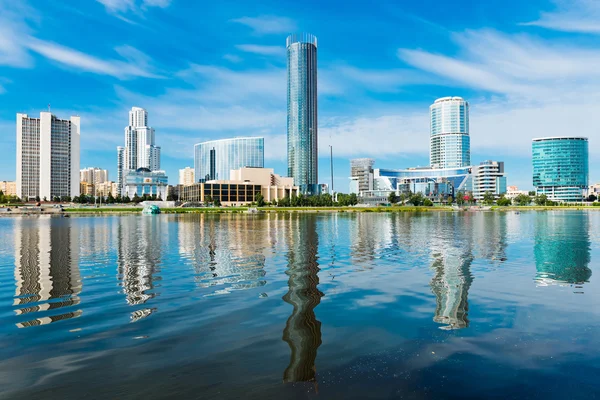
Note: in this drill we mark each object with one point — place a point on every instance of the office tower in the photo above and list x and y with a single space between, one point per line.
489 177
47 156
450 145
140 150
215 159
560 167
362 170
120 168
302 127
186 176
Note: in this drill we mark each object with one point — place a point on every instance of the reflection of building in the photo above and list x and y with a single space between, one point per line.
46 269
302 330
139 256
562 248
302 127
449 141
47 156
560 167
143 181
361 172
215 159
489 177
452 268
186 176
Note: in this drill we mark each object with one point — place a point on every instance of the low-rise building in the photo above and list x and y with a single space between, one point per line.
513 191
8 188
242 188
106 188
143 181
87 189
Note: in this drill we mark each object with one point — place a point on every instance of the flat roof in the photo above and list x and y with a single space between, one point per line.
559 137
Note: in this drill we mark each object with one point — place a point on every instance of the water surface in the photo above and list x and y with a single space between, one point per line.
293 305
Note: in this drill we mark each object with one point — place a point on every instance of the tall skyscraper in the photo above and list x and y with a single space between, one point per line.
47 156
216 158
561 167
140 149
450 145
302 127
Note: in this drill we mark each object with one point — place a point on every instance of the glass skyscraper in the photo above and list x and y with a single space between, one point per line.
215 159
560 167
450 144
302 127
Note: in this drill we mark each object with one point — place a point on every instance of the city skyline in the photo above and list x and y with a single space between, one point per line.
371 83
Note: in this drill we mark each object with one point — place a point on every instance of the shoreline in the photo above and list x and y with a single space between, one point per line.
263 210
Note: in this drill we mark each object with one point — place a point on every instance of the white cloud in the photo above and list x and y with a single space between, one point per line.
13 27
262 50
136 64
233 58
268 24
581 16
124 6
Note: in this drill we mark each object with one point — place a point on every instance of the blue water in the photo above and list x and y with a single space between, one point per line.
294 306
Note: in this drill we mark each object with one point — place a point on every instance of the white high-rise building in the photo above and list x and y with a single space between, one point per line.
186 176
140 150
489 177
450 145
47 156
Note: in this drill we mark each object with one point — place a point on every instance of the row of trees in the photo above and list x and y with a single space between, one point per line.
110 199
8 199
416 199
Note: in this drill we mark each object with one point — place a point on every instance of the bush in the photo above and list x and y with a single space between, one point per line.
428 203
504 202
596 204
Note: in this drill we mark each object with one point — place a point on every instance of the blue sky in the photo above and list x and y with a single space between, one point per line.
209 70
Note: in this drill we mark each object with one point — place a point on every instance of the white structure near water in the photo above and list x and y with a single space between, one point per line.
47 156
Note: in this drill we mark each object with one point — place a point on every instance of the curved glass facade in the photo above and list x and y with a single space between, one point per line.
450 144
560 167
302 127
215 159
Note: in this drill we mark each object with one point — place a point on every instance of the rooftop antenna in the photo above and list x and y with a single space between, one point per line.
48 107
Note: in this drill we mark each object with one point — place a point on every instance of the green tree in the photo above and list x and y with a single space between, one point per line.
44 199
259 199
540 199
522 200
110 199
126 199
136 199
217 202
427 203
37 198
488 198
393 198
208 199
592 198
417 199
503 201
460 198
531 193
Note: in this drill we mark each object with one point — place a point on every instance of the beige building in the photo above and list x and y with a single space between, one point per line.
513 191
9 188
242 187
106 188
274 187
186 176
86 189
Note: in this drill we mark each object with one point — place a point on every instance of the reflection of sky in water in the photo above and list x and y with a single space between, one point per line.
349 305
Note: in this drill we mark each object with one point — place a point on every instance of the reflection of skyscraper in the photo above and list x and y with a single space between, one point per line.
302 330
139 256
562 248
451 265
46 268
222 251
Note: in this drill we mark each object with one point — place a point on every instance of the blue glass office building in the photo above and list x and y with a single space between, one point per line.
215 159
450 144
560 167
302 126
